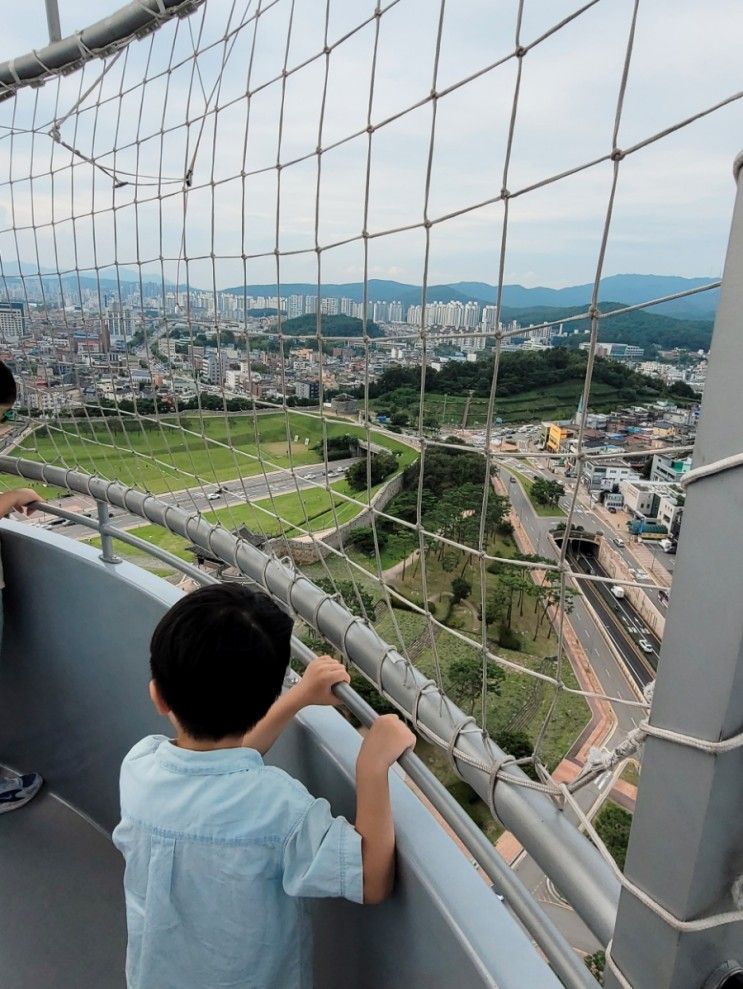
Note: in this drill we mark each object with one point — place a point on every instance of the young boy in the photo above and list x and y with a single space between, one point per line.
16 790
220 848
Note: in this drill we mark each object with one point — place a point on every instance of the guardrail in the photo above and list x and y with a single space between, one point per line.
553 841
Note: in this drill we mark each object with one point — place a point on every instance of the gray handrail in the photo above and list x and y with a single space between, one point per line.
548 835
563 959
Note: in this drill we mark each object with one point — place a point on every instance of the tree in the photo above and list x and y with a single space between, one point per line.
515 743
465 679
431 422
400 419
512 583
357 599
460 589
680 389
363 539
546 492
339 447
496 604
613 825
596 963
380 465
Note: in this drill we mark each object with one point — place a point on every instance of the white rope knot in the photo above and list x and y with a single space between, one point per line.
504 760
453 743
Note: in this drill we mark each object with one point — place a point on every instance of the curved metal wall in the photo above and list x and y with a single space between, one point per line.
73 699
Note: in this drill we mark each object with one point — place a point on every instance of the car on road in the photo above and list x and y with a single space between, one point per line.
645 645
619 542
212 496
617 591
512 480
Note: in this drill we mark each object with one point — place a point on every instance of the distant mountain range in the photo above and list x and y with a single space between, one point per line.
630 289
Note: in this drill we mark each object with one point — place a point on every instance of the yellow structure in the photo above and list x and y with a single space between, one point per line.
556 436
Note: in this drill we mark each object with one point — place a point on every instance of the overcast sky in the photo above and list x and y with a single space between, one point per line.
674 198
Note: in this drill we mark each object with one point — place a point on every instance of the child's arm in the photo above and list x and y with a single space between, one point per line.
20 500
315 687
386 741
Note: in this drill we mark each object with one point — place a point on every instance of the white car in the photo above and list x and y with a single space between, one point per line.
645 645
212 496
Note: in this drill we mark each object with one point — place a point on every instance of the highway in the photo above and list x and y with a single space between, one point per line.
615 681
622 623
223 495
588 516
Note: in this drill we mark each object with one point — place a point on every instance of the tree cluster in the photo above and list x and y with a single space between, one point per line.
519 371
380 466
330 326
339 447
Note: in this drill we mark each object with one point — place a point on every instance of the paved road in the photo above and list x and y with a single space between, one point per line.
622 623
225 493
613 527
614 681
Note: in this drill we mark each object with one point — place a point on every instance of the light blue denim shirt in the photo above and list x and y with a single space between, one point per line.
219 850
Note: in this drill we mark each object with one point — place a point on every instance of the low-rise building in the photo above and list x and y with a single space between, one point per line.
613 499
557 434
640 497
655 500
669 469
309 390
605 477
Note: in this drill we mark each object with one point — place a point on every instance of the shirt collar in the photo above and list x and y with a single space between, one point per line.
215 761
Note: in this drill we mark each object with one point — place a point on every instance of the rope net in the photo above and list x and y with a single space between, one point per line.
177 212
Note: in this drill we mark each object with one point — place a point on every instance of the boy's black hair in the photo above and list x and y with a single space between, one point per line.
219 657
8 389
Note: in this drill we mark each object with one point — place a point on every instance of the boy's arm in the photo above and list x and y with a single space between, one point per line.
386 741
315 687
20 500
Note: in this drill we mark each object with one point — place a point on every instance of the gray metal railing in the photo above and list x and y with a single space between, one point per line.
117 29
573 863
563 959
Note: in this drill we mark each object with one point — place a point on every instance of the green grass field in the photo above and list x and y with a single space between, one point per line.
165 458
311 509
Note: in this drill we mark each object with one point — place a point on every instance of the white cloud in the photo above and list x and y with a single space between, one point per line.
673 202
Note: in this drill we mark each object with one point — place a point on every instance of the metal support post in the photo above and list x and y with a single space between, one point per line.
107 543
52 20
686 845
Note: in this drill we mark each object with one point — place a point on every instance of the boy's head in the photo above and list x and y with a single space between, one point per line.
8 390
218 660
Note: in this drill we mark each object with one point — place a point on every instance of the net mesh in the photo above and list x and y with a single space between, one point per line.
167 206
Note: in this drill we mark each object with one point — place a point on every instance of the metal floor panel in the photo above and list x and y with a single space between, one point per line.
61 901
